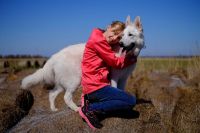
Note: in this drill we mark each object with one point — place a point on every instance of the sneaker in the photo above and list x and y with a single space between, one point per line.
90 118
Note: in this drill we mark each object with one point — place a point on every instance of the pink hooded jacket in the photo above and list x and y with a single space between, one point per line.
98 57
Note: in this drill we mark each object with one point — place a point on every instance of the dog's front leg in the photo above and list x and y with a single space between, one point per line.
114 83
122 83
114 77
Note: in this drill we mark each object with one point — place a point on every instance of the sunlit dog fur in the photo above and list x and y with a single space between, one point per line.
63 69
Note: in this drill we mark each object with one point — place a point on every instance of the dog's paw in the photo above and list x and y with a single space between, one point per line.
76 109
54 109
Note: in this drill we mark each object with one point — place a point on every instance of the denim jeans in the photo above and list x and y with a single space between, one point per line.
108 99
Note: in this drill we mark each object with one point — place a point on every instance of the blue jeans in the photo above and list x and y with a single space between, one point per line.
108 99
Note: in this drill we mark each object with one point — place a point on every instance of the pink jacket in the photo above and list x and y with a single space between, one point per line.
98 57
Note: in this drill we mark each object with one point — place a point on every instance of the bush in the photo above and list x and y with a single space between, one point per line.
36 64
28 64
44 63
6 64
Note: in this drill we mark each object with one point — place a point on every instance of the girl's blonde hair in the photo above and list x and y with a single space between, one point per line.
117 26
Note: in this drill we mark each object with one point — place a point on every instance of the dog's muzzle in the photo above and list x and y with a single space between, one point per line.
121 44
128 48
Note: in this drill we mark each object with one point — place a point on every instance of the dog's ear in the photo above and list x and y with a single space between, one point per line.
138 23
128 20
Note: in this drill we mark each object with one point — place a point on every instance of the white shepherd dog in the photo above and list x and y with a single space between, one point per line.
63 69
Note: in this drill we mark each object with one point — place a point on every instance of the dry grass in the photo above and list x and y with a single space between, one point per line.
177 105
171 84
11 113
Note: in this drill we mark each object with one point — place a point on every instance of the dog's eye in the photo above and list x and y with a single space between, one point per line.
130 34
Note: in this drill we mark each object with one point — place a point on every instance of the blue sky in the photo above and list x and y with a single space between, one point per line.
171 27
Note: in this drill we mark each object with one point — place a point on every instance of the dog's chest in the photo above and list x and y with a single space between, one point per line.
123 73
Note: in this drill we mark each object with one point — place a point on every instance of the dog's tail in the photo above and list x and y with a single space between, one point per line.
42 75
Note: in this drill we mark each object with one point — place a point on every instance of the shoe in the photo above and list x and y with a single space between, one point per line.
90 118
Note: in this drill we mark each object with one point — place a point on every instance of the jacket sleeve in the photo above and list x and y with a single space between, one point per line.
105 52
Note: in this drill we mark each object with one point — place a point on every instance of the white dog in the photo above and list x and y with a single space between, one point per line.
63 69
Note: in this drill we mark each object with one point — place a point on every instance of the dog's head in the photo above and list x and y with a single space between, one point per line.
133 38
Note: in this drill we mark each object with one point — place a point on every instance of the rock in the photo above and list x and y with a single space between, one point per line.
2 79
176 82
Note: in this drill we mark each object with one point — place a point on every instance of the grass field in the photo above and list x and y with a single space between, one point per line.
18 64
168 63
144 64
187 66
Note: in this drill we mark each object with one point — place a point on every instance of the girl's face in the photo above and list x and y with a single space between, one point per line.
113 36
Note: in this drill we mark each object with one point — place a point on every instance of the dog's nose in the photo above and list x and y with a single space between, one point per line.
121 44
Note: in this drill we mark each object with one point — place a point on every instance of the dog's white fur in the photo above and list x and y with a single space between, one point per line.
63 69
132 36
